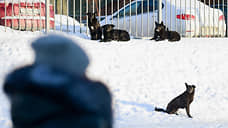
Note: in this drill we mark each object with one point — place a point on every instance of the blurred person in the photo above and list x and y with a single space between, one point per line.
54 91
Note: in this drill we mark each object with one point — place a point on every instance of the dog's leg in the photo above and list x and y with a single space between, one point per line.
102 40
188 111
105 40
152 38
173 111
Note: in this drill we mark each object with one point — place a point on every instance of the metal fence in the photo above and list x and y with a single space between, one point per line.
191 18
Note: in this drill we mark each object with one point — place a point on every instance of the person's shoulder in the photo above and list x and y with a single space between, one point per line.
18 73
93 85
101 87
16 77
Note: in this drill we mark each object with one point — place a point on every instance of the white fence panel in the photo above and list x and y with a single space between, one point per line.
191 18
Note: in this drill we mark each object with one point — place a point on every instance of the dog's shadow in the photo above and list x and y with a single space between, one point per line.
146 107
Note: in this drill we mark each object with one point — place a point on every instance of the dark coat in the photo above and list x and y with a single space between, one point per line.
42 97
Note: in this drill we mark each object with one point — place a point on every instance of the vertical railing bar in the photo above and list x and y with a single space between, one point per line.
223 21
93 6
142 18
118 15
153 15
12 13
19 22
40 17
160 11
185 20
35 15
166 12
175 15
87 10
80 15
205 34
54 14
136 18
226 19
213 18
99 10
32 28
170 15
180 20
218 21
209 21
26 11
195 19
47 16
106 4
5 15
74 16
61 10
130 19
112 10
67 11
200 20
190 19
124 16
148 14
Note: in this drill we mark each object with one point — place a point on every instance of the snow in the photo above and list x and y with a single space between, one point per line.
142 74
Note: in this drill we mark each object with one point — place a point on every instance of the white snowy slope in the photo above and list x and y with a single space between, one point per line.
142 74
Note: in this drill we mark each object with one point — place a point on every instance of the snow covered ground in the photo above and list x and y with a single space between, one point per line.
142 74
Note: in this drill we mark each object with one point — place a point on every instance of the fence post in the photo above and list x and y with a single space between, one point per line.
159 11
47 17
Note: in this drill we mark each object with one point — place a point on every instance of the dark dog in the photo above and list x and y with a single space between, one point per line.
161 33
114 34
172 35
182 101
94 27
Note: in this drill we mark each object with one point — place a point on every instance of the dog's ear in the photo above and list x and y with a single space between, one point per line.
112 25
162 23
186 85
156 23
103 26
193 86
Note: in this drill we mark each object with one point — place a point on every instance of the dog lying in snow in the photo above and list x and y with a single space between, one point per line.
182 101
172 35
162 33
159 32
114 34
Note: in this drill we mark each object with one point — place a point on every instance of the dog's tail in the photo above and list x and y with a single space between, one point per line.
160 110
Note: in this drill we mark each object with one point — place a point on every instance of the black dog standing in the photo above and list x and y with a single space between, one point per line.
182 101
114 34
94 27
